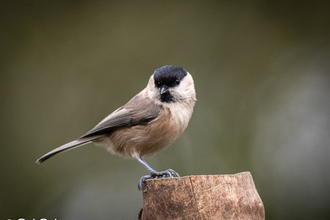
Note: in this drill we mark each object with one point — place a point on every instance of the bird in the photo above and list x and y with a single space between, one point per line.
149 122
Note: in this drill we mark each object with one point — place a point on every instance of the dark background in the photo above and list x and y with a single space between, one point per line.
262 74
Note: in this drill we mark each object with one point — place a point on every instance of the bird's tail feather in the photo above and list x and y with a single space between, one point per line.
69 146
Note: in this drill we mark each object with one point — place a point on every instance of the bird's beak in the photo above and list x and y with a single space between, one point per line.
164 89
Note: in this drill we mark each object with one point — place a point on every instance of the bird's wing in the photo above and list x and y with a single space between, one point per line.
138 111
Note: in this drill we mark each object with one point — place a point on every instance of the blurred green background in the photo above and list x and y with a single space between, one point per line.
262 74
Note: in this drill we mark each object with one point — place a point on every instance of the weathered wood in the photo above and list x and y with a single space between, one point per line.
202 197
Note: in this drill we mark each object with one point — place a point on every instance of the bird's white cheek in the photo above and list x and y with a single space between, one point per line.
153 94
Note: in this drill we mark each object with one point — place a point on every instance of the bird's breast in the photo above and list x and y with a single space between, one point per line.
143 140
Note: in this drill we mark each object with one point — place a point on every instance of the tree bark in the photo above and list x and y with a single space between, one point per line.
202 197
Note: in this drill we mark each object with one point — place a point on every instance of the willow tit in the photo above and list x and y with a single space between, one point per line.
152 120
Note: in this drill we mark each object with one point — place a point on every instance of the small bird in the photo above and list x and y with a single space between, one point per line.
149 122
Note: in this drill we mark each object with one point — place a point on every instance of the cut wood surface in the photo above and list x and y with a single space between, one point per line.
232 196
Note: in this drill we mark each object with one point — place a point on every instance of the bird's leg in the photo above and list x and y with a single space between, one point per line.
153 173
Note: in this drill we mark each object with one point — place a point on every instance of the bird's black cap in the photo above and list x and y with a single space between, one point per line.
169 75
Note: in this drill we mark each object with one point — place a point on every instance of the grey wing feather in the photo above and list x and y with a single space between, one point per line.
136 112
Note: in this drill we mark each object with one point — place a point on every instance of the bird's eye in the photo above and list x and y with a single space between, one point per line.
177 82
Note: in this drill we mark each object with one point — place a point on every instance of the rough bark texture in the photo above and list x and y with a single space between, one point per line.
202 197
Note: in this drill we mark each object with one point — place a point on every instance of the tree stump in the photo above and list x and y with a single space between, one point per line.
202 197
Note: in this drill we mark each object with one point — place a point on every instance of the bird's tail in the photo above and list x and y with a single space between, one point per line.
69 146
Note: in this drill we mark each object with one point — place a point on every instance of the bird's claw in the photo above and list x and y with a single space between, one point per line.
157 175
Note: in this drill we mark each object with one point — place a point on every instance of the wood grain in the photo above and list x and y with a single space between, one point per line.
202 197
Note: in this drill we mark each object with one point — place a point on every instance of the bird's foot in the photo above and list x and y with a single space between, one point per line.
157 175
